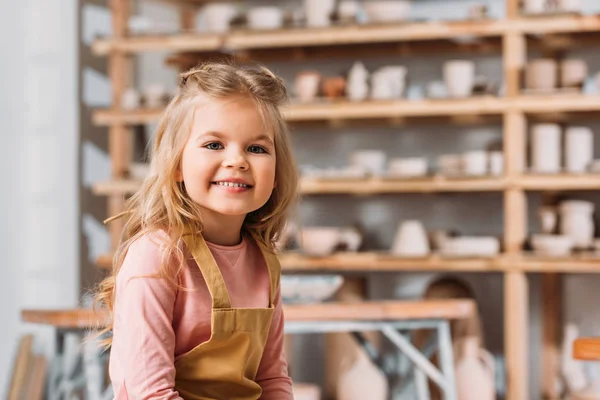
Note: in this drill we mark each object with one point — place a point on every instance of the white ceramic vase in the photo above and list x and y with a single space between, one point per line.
474 372
546 148
459 77
576 221
363 380
579 149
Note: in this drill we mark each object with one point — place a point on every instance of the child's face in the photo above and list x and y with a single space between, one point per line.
228 162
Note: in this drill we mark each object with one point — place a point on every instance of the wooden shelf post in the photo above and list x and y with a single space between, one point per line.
516 293
120 138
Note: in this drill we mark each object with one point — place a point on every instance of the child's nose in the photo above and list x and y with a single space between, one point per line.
237 161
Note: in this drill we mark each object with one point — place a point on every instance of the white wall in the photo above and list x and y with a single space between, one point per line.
38 110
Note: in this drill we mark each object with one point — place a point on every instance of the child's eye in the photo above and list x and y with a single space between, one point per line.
214 146
257 149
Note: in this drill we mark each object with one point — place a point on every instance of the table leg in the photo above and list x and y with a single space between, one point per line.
416 357
447 360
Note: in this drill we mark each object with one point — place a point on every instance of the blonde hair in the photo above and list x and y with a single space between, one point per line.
163 204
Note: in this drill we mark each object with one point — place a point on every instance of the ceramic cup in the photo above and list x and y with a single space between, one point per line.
130 99
266 17
546 148
571 5
579 149
318 12
475 163
371 160
411 240
307 85
573 73
216 17
548 217
541 74
535 6
155 95
496 161
459 77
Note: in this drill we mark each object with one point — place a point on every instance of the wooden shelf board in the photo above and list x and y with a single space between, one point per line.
297 112
560 182
586 263
373 261
108 117
436 184
116 187
391 109
555 103
564 23
353 34
383 262
171 43
244 39
380 186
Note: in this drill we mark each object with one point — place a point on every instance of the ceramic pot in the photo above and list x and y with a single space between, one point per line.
548 217
357 87
535 6
546 148
363 380
266 17
579 149
541 74
334 87
459 77
475 163
130 99
216 17
573 73
411 240
576 221
496 162
318 12
371 160
474 372
574 6
307 86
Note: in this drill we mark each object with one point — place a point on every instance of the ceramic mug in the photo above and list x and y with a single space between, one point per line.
411 240
475 162
573 73
546 148
579 149
318 12
307 85
541 74
535 6
459 77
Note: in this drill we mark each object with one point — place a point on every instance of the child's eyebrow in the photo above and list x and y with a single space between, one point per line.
263 137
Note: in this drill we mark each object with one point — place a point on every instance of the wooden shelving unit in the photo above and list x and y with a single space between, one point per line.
509 36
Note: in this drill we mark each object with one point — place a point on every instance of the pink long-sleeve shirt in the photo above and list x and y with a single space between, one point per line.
155 322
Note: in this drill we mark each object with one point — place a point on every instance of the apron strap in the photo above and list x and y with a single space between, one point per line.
210 270
274 273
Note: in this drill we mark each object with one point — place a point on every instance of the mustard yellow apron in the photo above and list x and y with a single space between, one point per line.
225 366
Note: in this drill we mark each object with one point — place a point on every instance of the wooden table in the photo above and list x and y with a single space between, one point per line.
392 318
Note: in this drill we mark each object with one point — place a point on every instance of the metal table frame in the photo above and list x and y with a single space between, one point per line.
443 377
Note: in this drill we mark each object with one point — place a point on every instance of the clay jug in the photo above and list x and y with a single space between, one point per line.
362 380
474 372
